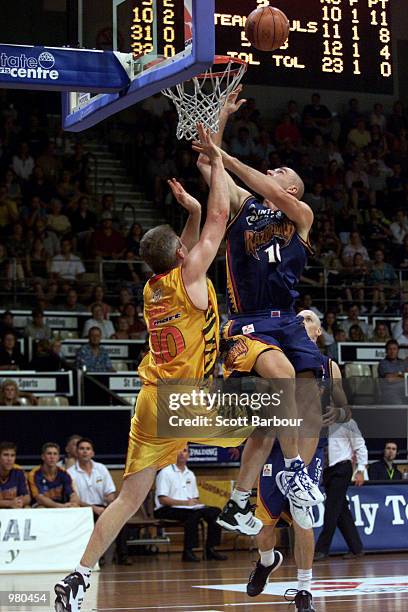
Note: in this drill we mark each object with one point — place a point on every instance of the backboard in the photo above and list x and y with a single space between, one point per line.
157 42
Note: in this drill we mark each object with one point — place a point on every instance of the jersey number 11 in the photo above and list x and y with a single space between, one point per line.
274 253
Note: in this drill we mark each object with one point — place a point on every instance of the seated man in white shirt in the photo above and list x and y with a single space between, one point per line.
177 498
96 489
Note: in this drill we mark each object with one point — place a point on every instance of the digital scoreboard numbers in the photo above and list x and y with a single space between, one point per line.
333 44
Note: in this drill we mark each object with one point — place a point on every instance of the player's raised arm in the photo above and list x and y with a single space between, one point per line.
202 255
191 232
340 412
237 194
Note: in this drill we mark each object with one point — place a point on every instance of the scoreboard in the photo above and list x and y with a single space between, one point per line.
333 44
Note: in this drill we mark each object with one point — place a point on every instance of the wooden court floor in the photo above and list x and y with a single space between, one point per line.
375 583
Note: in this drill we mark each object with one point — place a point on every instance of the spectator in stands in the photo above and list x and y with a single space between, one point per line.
98 297
357 278
264 146
12 185
377 230
77 164
402 339
122 329
10 354
133 238
137 327
333 350
49 239
381 333
50 485
108 243
359 136
243 146
385 468
306 303
96 489
378 117
329 327
384 282
398 119
356 334
8 210
7 324
14 491
319 113
66 189
10 394
105 326
82 220
315 199
38 329
36 210
355 246
399 228
93 356
397 328
23 163
71 304
67 266
392 371
353 315
287 130
48 357
38 263
71 452
39 186
357 182
177 498
49 163
125 298
56 221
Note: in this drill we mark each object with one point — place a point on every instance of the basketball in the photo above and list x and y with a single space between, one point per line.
267 28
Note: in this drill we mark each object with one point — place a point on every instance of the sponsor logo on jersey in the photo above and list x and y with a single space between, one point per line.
248 329
267 469
166 319
157 295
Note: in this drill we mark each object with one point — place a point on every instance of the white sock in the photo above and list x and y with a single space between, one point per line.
304 580
85 572
288 462
240 497
267 557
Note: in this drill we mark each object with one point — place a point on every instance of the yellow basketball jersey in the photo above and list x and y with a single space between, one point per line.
183 339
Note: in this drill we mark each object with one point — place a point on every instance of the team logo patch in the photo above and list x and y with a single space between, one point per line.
157 295
248 329
236 349
330 588
267 469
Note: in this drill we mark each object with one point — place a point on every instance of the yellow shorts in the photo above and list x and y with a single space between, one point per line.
242 353
147 449
268 519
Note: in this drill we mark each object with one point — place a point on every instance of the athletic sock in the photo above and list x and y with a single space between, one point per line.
288 462
85 573
267 557
304 580
240 497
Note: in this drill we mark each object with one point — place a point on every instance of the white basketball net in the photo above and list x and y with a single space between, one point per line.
202 98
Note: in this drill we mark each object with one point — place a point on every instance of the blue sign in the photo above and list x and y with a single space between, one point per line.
380 513
54 69
200 454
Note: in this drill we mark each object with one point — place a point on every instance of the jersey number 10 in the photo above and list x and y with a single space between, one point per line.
274 253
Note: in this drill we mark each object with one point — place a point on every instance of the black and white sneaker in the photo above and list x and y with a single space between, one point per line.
260 575
70 593
303 600
241 520
296 484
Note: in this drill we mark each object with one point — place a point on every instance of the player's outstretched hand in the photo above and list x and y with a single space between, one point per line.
206 145
185 199
231 105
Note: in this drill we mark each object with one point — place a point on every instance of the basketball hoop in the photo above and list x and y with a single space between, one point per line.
202 98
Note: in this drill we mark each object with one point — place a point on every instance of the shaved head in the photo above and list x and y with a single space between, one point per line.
289 180
312 324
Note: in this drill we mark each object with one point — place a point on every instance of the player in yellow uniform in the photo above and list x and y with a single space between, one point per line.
182 318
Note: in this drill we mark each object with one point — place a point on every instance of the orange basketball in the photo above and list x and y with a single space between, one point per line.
267 28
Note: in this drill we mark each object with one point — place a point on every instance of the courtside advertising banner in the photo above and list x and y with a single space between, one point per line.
380 513
43 539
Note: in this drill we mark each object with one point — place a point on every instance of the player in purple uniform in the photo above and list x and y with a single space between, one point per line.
272 506
13 483
267 244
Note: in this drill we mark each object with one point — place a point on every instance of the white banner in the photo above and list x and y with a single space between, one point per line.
43 539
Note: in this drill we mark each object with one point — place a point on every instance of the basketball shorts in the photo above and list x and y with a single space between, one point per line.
147 449
273 507
245 338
